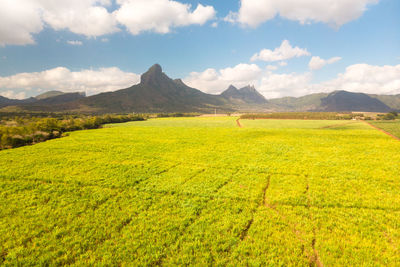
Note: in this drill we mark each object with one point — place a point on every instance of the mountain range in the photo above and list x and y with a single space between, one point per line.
156 93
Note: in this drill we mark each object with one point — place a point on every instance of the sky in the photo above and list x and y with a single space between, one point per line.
282 47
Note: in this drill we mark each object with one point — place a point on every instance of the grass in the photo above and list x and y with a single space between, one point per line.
202 191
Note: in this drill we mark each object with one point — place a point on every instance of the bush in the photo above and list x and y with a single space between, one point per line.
389 116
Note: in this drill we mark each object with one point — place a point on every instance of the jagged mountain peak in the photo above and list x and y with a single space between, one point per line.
154 76
231 87
248 95
156 68
248 88
179 81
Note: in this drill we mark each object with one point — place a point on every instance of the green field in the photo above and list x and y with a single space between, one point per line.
202 191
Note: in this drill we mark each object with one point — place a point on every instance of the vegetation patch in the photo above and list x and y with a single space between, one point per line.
20 131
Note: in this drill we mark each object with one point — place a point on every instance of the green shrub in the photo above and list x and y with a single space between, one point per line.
389 116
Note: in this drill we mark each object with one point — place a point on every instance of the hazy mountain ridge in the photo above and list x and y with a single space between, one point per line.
48 94
303 103
4 101
156 92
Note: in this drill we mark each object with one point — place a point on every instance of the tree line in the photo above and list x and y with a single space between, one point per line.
26 130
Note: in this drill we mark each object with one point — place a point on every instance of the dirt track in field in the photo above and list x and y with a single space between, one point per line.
238 123
383 131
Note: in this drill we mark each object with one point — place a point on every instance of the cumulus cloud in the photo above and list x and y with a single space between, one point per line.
271 67
160 15
213 81
333 12
284 52
63 79
317 63
21 19
75 43
85 17
278 85
366 78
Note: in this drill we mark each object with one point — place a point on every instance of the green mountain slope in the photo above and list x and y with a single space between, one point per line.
49 94
304 103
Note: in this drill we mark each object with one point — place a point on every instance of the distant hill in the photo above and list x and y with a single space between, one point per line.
49 94
246 95
347 101
4 101
305 103
59 102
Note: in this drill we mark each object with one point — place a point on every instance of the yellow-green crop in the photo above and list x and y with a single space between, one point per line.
202 191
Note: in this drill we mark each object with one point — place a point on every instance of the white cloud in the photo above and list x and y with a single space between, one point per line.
232 17
279 85
78 43
160 15
333 12
85 17
19 20
214 24
13 95
90 81
282 63
367 79
271 67
284 52
317 63
213 81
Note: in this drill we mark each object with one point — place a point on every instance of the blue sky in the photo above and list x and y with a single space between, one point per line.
355 46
